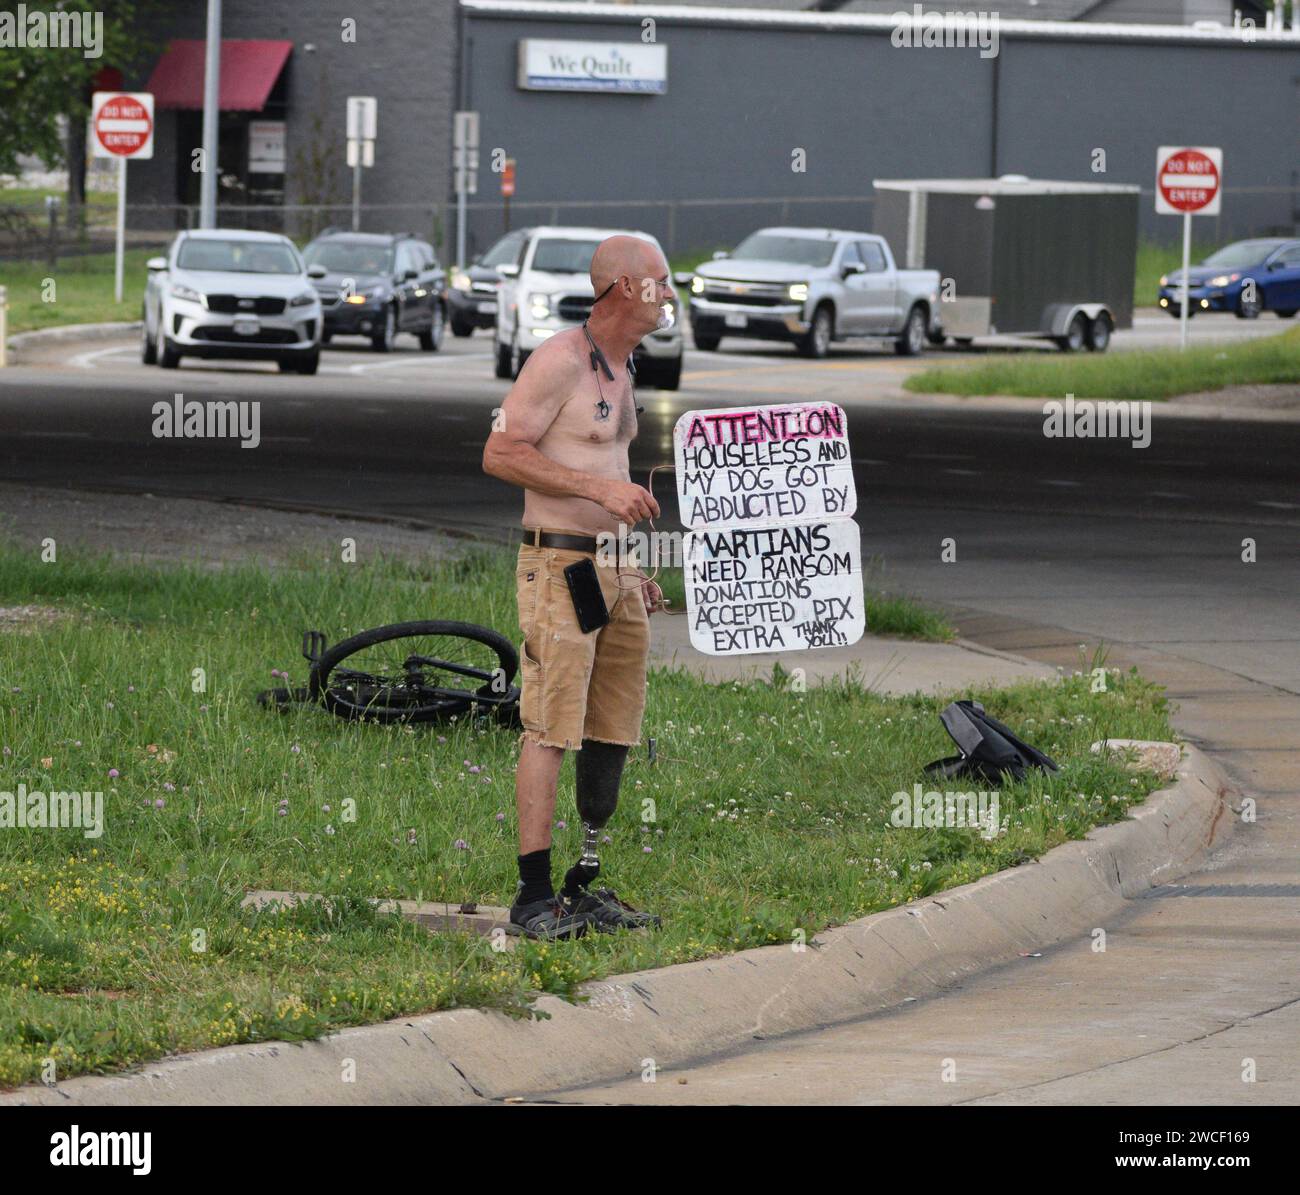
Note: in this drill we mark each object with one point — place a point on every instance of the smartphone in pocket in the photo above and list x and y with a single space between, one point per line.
588 598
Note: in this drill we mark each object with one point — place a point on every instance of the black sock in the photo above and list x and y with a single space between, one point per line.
535 877
578 876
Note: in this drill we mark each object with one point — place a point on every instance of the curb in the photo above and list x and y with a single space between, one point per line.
692 1010
111 331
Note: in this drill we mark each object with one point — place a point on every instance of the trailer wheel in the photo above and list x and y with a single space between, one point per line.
1076 336
1099 331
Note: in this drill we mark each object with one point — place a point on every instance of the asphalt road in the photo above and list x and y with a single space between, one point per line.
1124 543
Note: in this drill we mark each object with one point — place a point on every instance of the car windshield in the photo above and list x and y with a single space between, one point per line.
1242 253
505 250
798 251
238 257
558 255
350 257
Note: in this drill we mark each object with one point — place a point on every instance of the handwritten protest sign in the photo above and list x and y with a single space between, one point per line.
774 588
763 466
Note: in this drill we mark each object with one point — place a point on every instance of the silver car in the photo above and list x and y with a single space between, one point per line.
222 293
812 286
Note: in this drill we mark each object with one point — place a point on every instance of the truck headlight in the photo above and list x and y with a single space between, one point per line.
303 299
798 292
460 280
697 285
1164 279
540 305
187 293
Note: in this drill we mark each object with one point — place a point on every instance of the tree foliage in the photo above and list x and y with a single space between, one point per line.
40 83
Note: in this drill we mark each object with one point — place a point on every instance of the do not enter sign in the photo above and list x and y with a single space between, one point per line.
122 124
1188 179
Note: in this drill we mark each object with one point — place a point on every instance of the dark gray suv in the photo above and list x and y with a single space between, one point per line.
377 285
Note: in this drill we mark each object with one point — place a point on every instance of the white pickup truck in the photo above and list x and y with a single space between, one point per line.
812 286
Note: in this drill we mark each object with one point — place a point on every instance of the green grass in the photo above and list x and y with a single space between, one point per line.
32 199
82 291
767 813
1131 375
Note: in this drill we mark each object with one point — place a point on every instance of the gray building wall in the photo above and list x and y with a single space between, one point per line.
739 100
404 55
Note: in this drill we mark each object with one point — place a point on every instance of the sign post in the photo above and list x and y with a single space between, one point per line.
363 124
464 147
123 128
508 187
1188 179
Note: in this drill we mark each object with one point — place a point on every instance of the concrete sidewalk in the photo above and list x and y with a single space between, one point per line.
1194 1001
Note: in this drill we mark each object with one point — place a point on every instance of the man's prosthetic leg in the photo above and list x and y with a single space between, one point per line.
600 772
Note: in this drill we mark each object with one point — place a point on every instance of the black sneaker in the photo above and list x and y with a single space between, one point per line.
547 919
606 913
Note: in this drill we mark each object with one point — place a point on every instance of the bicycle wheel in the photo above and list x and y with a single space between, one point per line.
415 672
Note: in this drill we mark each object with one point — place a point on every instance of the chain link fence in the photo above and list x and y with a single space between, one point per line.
36 230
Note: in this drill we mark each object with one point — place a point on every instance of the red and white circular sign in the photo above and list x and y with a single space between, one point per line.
1188 180
123 125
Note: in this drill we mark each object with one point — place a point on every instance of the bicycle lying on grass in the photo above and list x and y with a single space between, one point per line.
409 672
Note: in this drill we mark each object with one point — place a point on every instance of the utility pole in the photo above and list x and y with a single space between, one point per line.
211 115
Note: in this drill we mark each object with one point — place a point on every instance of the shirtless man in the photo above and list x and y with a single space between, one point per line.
563 436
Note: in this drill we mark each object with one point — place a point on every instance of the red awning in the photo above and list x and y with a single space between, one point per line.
249 70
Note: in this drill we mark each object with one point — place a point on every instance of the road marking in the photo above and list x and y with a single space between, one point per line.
87 360
1280 505
362 367
866 460
1169 494
964 472
1053 481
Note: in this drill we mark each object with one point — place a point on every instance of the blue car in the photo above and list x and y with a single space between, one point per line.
1220 282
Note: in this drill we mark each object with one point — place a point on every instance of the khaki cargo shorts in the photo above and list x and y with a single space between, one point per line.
579 686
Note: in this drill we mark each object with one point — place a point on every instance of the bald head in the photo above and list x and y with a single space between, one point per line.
619 255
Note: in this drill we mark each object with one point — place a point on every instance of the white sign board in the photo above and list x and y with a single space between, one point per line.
632 67
775 588
266 147
1189 178
363 117
121 124
756 466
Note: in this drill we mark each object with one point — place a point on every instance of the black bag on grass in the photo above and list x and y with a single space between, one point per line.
989 750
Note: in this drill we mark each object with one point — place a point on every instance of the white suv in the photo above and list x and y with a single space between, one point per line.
228 293
548 288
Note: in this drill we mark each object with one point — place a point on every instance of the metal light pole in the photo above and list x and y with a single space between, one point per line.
211 113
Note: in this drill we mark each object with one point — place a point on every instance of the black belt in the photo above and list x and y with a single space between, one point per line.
555 539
